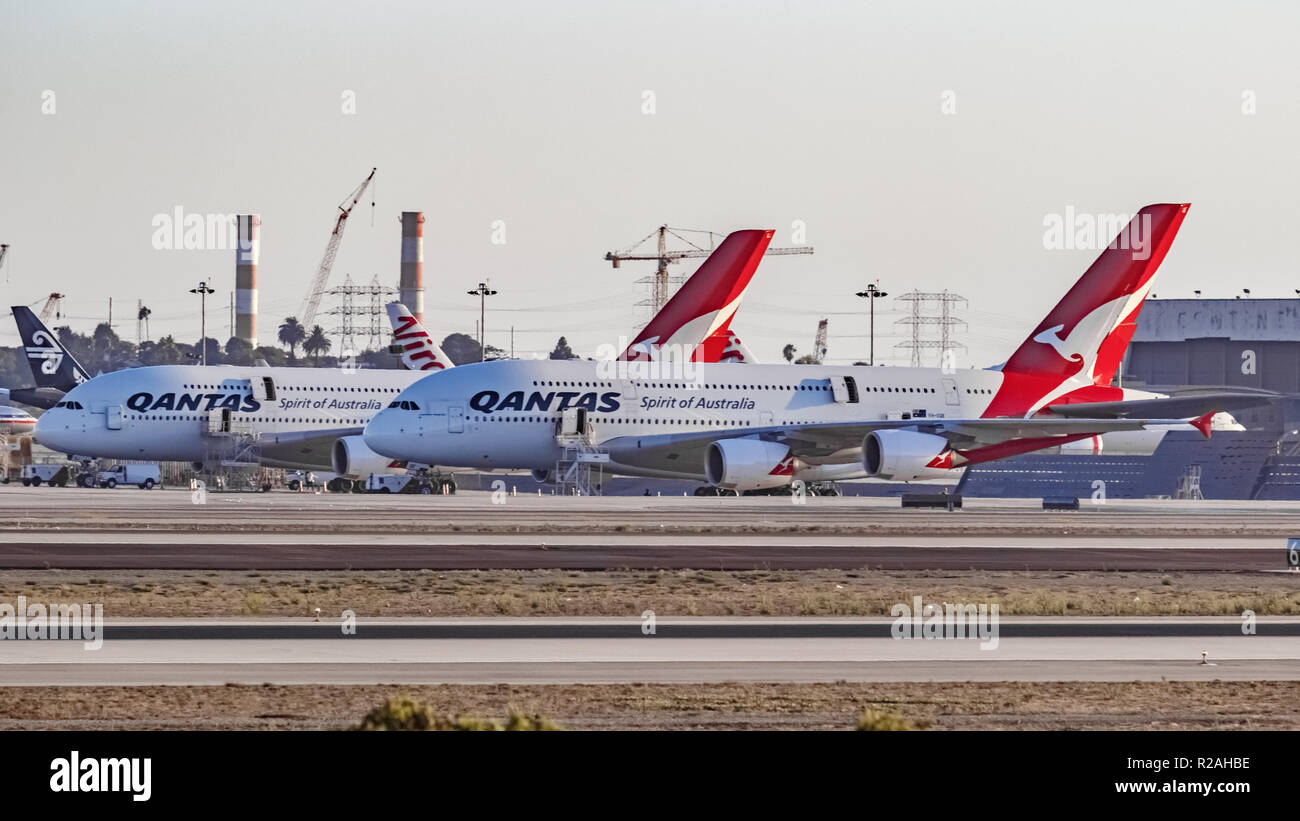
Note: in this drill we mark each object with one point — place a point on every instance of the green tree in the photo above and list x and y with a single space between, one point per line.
292 334
316 343
272 356
239 351
562 350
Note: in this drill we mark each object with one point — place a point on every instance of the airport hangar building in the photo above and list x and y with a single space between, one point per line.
1182 346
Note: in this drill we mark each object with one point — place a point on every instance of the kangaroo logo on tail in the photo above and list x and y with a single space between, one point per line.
1089 330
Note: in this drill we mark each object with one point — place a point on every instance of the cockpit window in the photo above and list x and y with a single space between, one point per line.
404 404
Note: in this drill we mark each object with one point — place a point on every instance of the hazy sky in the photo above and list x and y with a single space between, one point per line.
765 113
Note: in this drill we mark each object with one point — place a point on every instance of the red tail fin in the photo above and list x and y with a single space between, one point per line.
1079 346
705 305
1085 335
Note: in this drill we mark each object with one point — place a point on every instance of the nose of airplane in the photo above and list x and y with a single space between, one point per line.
382 436
50 432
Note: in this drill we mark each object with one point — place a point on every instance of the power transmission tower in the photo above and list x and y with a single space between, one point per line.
359 317
931 309
819 344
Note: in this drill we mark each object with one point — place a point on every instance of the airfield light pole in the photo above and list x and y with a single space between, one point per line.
482 292
203 290
872 293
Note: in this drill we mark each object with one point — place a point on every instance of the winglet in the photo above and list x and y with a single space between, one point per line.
1202 423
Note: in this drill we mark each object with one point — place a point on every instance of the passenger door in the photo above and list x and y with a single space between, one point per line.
950 393
455 418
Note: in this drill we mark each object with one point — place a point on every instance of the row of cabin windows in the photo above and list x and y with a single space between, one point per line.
615 421
296 420
292 388
684 386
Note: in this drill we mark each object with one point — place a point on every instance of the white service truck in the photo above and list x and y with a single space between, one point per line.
145 476
35 475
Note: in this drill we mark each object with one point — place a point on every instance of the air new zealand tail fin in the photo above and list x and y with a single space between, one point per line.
53 366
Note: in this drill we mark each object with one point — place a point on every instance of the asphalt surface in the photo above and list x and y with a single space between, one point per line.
67 528
600 651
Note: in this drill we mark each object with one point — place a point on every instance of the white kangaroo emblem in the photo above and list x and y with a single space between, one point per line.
1052 336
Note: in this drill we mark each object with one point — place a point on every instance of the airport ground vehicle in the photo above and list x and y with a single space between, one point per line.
56 475
145 476
416 481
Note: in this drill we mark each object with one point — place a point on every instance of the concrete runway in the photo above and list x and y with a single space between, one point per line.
529 651
69 528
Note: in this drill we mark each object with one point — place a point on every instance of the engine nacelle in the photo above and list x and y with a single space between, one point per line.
903 455
1091 446
748 464
351 458
545 476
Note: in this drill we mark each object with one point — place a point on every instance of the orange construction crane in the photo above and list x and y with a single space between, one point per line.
312 301
660 292
52 304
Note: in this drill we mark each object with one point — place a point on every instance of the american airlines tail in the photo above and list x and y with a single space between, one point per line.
705 305
419 351
1075 352
52 365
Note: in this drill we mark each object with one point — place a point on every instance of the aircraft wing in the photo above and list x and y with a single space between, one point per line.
835 443
1185 406
303 447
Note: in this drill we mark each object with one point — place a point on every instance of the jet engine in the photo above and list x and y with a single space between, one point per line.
903 455
351 458
748 464
544 476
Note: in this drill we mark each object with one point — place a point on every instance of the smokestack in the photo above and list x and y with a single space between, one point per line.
411 286
246 254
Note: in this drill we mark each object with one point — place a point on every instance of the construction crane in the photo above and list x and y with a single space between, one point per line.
659 292
312 301
819 344
52 304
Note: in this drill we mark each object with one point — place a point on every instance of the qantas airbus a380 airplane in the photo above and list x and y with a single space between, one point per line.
763 426
313 418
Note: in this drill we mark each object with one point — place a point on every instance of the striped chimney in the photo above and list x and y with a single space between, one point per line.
411 286
246 253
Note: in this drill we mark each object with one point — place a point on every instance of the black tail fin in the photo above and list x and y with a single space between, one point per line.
51 363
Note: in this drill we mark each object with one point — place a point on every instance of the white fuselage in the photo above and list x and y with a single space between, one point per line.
14 421
160 413
505 414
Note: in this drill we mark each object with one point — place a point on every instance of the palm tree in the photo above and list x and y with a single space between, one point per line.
788 353
292 334
316 344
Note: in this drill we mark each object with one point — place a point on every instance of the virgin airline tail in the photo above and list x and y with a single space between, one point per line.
419 351
704 307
